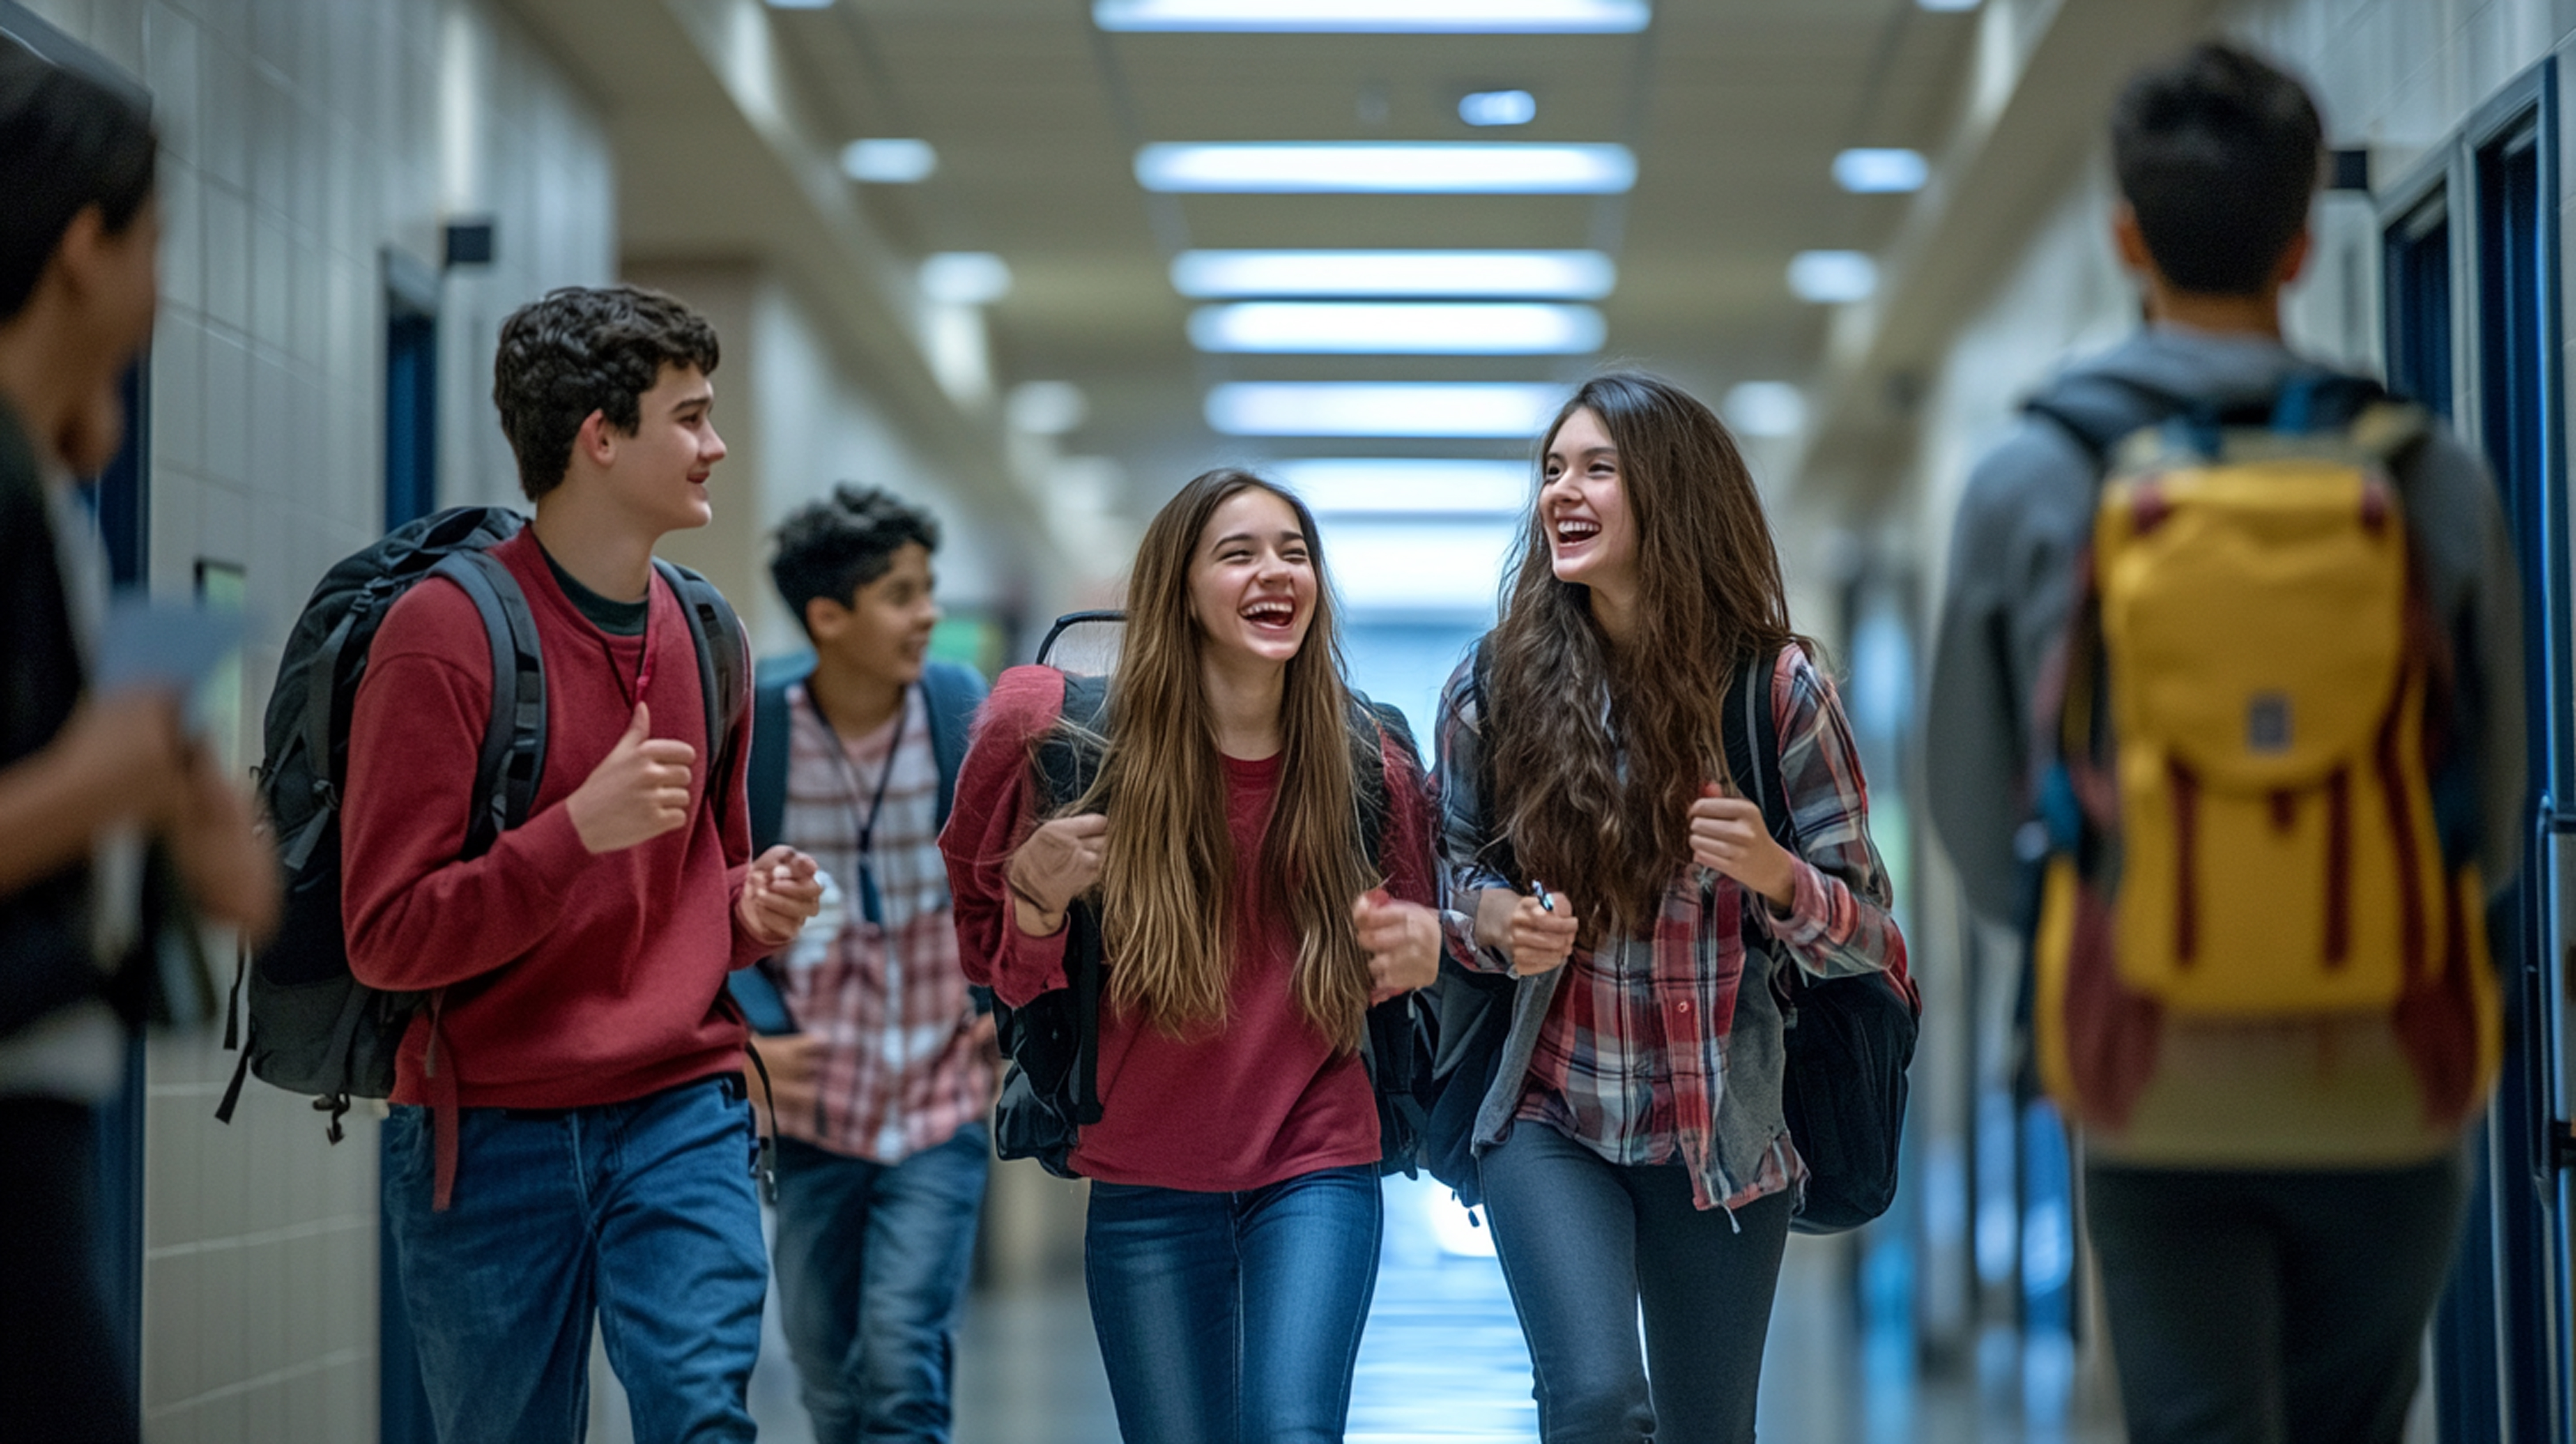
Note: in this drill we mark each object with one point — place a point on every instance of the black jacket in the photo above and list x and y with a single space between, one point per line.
45 959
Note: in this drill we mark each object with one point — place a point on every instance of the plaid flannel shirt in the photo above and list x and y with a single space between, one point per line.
1670 1046
901 1069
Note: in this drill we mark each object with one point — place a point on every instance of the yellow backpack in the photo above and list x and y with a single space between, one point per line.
2240 805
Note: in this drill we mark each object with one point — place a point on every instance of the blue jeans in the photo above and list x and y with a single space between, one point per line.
872 1261
1233 1318
1590 1249
642 1211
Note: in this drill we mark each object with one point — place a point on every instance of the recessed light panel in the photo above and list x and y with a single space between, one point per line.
1877 170
1455 17
1388 167
965 278
1396 408
1568 275
889 162
1832 276
1502 328
1408 485
1498 107
1766 408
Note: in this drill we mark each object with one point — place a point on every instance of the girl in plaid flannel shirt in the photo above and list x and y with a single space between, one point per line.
1631 1148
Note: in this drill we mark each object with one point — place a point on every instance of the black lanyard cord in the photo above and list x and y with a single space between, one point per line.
870 907
849 774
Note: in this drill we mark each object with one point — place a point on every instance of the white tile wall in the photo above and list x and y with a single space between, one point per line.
301 137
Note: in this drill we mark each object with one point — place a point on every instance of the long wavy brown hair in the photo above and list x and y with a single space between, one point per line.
1169 913
1709 597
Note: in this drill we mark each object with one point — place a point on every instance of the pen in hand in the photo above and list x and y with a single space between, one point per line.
1538 891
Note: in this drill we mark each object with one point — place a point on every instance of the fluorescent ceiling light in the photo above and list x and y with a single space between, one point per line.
800 4
1047 408
1417 566
1947 5
1830 276
1453 167
1408 485
1573 275
1498 107
1766 408
889 162
1504 328
1871 170
965 278
1396 408
1483 17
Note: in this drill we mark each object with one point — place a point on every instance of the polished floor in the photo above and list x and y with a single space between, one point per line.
1443 1361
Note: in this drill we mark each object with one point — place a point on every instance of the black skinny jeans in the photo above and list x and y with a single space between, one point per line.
2271 1307
1584 1243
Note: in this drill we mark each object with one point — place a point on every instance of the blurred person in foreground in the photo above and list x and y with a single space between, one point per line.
85 778
2275 1197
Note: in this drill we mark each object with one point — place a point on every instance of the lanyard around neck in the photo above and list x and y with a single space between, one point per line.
849 774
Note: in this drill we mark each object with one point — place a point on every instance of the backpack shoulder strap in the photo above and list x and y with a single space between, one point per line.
951 693
1066 763
765 780
724 664
2098 410
1373 726
1751 734
514 739
1066 766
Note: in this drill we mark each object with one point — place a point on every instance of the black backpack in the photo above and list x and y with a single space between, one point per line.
1848 1041
313 1027
1051 1083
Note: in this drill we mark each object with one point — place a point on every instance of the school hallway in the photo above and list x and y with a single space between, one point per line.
1035 264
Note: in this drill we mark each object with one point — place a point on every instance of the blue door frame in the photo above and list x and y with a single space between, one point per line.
2473 329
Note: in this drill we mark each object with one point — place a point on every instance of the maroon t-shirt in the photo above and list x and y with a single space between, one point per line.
1262 1097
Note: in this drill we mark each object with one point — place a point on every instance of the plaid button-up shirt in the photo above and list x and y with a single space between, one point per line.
1669 1047
901 1069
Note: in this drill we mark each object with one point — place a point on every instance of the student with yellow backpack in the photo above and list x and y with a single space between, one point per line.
2229 676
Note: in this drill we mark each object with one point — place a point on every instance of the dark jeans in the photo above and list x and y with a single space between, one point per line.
2271 1308
1586 1244
642 1212
1233 1318
872 1261
63 1375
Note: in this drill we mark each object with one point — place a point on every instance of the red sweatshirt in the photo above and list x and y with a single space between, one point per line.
1262 1098
571 979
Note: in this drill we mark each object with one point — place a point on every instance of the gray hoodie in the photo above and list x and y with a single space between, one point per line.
2026 513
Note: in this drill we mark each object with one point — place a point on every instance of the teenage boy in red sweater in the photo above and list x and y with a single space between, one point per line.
569 1132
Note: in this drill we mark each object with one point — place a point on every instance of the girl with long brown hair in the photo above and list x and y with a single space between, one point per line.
1247 923
1631 1150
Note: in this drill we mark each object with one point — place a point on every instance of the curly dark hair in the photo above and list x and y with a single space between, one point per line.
2219 154
1596 752
584 349
833 547
67 142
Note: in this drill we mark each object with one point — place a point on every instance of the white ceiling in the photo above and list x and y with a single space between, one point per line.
1734 108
